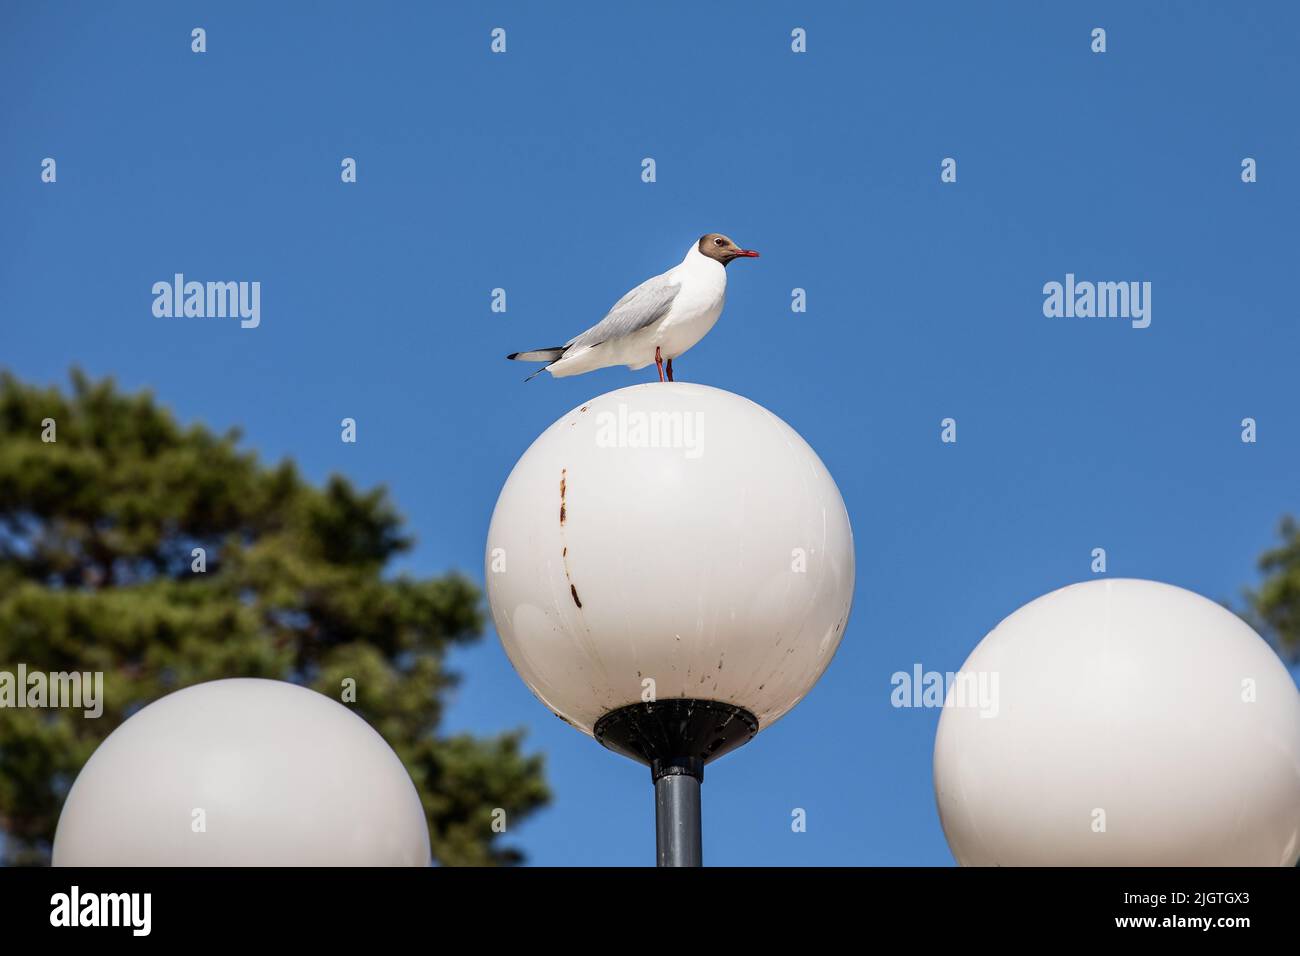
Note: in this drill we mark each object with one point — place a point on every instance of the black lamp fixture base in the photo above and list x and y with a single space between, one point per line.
676 736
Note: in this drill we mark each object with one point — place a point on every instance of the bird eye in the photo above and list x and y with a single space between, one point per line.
717 242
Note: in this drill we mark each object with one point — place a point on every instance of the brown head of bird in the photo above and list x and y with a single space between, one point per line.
717 246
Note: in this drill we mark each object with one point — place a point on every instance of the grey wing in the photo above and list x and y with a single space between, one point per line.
646 304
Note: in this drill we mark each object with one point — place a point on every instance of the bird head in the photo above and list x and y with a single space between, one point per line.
717 246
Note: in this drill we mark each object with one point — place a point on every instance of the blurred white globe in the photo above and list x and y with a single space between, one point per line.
1134 724
284 776
673 533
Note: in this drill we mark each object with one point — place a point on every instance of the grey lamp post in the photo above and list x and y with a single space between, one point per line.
670 570
679 840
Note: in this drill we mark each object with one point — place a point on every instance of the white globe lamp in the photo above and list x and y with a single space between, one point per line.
670 569
243 773
1132 723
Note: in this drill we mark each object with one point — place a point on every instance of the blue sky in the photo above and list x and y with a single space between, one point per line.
522 171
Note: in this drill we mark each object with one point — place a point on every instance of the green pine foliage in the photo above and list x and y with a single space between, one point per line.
97 536
1274 607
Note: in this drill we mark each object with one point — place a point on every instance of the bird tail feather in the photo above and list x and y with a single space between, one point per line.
538 355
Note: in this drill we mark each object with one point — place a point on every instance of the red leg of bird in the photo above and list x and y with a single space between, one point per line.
659 363
670 370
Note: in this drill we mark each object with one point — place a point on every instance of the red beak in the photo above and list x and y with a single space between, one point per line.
748 253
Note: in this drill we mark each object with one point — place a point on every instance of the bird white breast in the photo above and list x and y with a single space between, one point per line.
697 306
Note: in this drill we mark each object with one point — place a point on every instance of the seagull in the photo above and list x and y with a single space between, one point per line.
659 319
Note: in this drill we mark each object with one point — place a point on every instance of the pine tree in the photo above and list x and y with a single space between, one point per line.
100 571
1274 608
